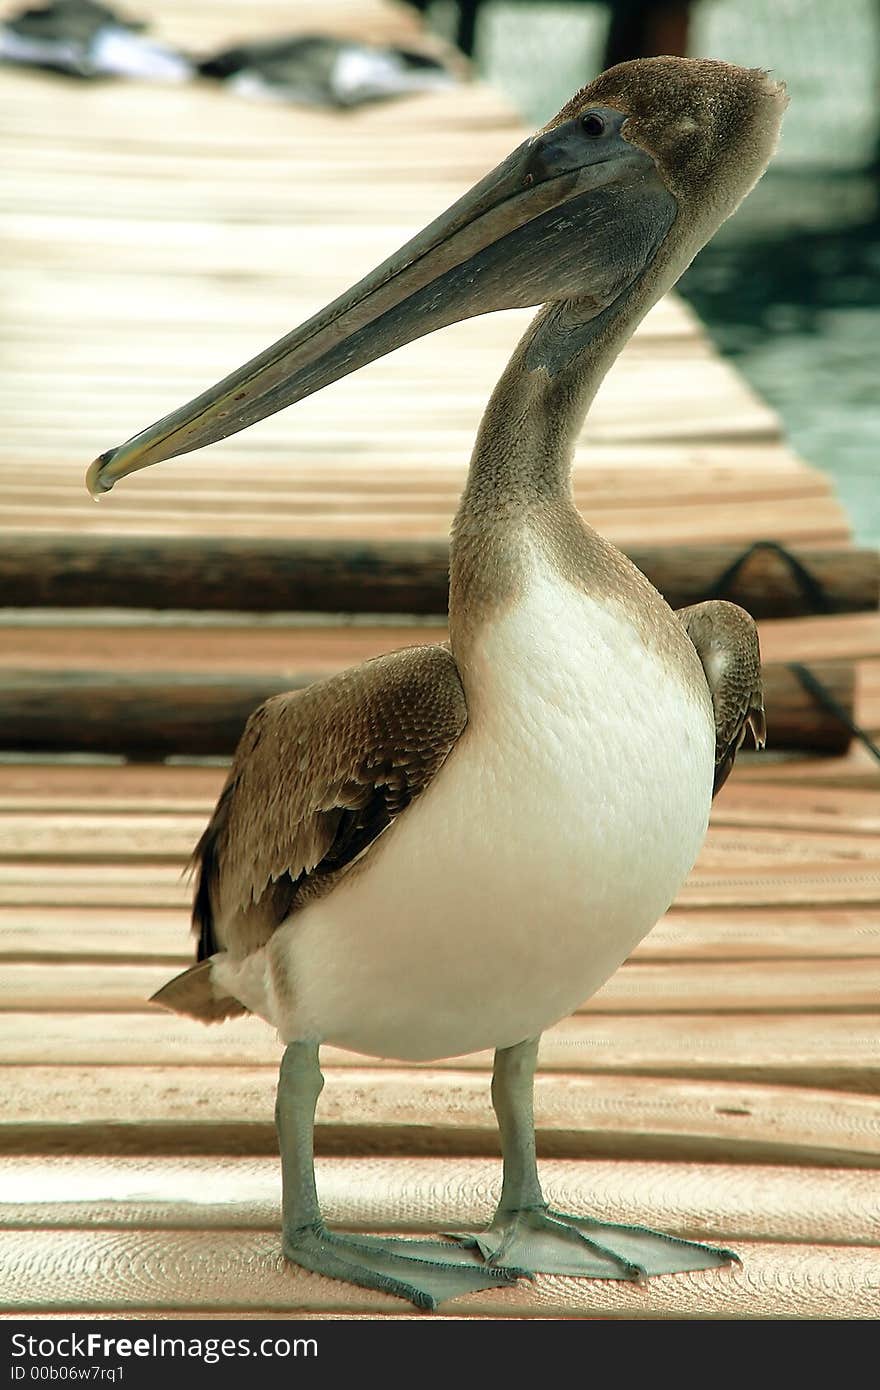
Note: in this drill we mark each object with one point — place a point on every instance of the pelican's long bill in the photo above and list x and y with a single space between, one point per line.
552 220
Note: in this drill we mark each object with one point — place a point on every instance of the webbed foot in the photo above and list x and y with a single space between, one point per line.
426 1272
547 1242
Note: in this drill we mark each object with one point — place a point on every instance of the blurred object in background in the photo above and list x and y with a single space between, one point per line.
320 70
83 39
538 49
644 28
829 55
637 29
790 287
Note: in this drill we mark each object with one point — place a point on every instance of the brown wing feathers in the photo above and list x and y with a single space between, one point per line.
204 865
320 773
726 640
316 778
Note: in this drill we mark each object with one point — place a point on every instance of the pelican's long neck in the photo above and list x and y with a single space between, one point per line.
526 439
521 464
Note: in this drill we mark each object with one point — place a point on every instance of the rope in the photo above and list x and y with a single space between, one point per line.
811 589
816 597
822 695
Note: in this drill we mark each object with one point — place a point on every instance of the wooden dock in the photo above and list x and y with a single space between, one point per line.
725 1084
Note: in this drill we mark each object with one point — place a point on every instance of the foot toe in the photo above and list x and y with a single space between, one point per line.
426 1273
549 1242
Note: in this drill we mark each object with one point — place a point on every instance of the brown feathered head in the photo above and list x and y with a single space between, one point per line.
710 127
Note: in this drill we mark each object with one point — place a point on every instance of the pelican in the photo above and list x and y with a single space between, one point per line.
449 848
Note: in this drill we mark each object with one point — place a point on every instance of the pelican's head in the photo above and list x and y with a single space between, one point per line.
709 127
614 197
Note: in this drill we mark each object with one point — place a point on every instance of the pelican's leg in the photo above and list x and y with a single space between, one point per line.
527 1233
423 1271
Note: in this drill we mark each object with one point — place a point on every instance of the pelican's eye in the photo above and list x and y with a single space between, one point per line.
593 124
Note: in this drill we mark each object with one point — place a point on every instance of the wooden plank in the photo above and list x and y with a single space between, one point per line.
745 845
739 933
825 883
721 1202
825 1050
148 784
137 934
844 637
134 934
256 650
261 646
796 521
190 790
241 645
331 484
48 296
659 373
828 809
115 844
229 1110
855 769
155 785
69 885
104 836
637 987
101 838
376 465
224 1271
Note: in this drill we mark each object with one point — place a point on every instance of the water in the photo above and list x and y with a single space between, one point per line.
789 290
796 305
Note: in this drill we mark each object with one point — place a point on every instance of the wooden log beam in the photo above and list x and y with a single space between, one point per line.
387 576
219 1109
155 716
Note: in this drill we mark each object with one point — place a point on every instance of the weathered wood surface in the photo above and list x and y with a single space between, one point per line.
391 576
785 1074
804 1238
827 1051
95 686
160 715
638 988
190 1271
224 1108
725 1084
822 1205
58 932
247 644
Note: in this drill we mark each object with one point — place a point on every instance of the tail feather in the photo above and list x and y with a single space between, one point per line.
193 993
204 864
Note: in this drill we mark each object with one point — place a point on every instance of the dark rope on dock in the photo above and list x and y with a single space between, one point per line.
820 692
811 588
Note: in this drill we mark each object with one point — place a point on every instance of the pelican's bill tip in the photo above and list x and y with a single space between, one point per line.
96 483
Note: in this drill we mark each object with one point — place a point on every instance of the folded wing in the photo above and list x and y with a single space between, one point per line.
317 776
726 640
